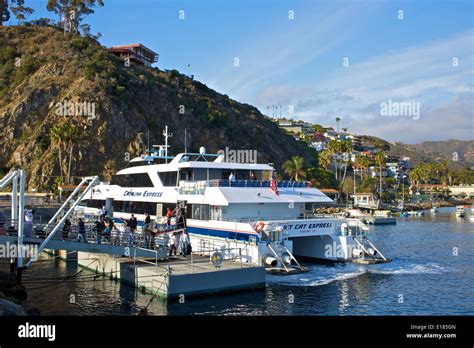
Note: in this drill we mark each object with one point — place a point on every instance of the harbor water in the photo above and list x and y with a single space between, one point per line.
432 273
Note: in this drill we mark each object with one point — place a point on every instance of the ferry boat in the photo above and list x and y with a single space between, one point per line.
238 208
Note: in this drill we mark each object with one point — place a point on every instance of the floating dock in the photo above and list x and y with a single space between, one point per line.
152 271
177 275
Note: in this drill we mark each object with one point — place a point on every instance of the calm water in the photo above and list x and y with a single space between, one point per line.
432 273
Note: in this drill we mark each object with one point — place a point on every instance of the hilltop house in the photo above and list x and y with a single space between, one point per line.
319 142
136 53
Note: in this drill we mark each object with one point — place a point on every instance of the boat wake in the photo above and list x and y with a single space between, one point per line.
323 275
429 268
319 275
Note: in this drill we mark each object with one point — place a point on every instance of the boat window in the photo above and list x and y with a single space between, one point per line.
94 203
168 178
135 207
200 211
132 180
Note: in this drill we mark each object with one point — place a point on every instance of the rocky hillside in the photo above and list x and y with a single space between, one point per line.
457 153
462 151
42 70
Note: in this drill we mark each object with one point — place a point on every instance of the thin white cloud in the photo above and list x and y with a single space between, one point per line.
298 42
422 73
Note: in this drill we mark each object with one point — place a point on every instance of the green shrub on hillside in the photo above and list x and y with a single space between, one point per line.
79 43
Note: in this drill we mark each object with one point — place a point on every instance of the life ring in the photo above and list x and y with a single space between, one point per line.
259 226
216 259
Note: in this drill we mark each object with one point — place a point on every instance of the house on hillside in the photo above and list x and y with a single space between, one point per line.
319 142
135 53
374 172
394 169
428 188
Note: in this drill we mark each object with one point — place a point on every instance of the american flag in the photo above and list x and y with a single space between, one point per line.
273 186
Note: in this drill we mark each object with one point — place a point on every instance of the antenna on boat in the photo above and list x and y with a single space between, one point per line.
166 135
148 136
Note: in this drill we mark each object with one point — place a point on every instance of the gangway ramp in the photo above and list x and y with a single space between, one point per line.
110 249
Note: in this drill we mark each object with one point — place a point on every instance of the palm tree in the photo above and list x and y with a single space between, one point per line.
364 163
334 147
380 161
415 176
338 119
295 168
325 158
425 172
346 148
69 134
443 168
56 136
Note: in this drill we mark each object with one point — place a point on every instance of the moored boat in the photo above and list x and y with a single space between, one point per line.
238 209
460 211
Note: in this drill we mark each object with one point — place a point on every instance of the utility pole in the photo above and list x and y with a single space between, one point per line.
185 141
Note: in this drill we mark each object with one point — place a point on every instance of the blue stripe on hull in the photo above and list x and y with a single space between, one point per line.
219 233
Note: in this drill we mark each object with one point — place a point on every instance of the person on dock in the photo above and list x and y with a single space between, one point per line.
101 228
180 217
147 227
82 231
172 244
28 227
185 244
169 215
132 223
114 235
66 229
103 213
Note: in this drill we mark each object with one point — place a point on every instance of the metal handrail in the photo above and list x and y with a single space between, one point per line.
277 257
93 181
199 186
378 251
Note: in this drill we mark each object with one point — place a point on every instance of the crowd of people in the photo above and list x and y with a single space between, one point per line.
106 230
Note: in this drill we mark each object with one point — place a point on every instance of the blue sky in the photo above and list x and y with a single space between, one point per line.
298 63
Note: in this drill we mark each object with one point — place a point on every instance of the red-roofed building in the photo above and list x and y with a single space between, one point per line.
318 137
136 53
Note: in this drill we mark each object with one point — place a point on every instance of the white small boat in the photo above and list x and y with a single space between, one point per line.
416 213
434 210
460 211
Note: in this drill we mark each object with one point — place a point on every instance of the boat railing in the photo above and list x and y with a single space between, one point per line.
198 186
280 219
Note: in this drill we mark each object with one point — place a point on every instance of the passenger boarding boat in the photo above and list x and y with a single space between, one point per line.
250 216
